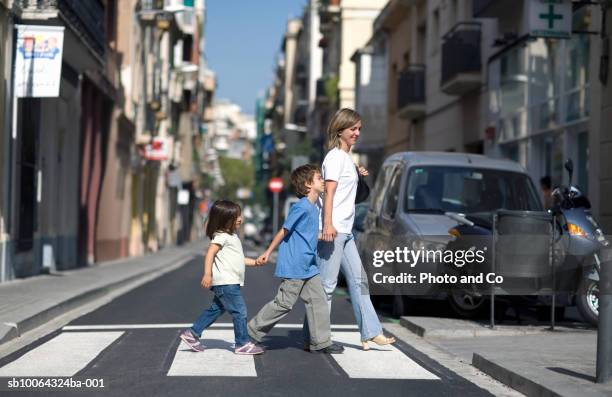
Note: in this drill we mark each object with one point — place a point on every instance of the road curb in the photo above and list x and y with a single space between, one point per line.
464 329
10 331
511 378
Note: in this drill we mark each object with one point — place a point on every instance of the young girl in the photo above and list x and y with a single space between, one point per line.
224 274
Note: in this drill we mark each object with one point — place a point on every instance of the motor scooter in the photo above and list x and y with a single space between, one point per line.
578 242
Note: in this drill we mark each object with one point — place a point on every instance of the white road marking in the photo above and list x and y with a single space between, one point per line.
185 325
380 362
217 360
64 355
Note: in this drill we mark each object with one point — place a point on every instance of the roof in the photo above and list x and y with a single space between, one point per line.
456 160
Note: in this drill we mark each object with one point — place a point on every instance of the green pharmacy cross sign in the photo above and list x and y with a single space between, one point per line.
551 16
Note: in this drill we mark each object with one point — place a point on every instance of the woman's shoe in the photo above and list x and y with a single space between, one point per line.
380 340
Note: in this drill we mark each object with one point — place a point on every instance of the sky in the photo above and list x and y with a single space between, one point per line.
242 39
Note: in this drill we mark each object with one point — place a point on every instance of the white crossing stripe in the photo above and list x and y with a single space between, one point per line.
183 325
380 362
217 360
64 355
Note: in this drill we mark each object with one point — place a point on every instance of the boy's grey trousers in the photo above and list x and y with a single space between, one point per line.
317 312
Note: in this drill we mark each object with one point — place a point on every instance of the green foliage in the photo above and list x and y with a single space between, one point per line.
331 89
236 174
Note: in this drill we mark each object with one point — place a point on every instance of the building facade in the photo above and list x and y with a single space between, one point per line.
539 91
129 71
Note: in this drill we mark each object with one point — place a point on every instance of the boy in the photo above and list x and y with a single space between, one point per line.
297 266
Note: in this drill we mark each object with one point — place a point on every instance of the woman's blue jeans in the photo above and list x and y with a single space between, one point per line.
342 253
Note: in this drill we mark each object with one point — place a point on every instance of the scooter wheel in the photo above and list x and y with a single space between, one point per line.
587 301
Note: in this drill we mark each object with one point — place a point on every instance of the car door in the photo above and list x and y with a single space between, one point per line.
389 209
368 239
384 239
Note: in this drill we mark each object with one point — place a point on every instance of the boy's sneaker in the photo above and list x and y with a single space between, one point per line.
249 349
331 349
191 340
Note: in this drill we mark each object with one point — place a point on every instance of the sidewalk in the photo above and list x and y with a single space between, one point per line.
529 358
28 303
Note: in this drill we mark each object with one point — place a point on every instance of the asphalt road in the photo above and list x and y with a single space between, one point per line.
132 344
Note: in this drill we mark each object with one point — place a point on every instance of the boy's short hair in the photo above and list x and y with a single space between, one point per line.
301 176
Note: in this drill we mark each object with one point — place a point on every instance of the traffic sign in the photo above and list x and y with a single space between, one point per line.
275 185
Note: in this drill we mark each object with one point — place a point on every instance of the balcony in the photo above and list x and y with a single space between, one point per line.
152 4
320 91
184 15
329 12
35 9
301 74
411 92
461 59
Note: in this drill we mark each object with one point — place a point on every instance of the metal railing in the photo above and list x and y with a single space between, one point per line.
152 4
35 5
411 86
461 50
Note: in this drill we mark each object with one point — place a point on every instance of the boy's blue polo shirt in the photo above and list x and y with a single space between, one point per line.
297 254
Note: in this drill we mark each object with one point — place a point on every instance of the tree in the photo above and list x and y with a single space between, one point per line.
236 174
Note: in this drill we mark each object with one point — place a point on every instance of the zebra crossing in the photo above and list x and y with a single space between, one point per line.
64 355
77 347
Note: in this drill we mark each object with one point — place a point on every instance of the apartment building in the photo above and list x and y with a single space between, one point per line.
129 70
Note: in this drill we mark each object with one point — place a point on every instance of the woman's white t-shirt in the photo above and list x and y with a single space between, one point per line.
228 265
338 166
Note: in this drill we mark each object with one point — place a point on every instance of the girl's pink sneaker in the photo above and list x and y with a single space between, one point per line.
249 349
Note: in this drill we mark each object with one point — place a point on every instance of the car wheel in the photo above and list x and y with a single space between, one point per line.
465 304
587 301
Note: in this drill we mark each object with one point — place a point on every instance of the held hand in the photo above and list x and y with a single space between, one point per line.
206 281
329 233
263 259
363 171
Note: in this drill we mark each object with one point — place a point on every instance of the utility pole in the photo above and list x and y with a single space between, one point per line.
603 372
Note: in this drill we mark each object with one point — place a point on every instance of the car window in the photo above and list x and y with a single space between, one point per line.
392 196
468 190
380 187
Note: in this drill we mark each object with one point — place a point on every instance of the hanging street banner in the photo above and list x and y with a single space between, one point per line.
38 60
550 18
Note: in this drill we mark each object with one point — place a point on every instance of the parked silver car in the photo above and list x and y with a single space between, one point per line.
419 196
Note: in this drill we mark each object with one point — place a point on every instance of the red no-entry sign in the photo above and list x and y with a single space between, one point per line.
275 185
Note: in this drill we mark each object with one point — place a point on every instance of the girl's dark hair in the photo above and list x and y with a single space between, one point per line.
222 217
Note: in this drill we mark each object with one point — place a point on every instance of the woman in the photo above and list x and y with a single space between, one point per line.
337 248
